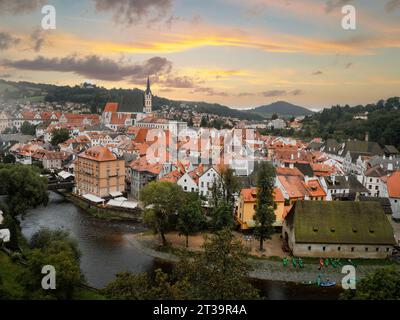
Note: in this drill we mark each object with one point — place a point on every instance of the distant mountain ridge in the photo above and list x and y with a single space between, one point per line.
281 108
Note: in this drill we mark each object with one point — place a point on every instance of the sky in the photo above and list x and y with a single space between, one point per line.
238 53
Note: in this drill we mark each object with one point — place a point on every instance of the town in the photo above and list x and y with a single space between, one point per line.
107 160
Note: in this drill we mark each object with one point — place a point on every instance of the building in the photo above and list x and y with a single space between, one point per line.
338 229
344 188
392 183
55 160
142 173
206 182
99 172
247 207
148 99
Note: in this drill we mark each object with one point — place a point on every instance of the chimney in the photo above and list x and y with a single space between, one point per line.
367 136
347 178
333 179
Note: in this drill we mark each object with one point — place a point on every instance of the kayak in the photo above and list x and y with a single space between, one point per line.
328 284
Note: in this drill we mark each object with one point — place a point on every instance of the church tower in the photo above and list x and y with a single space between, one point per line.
148 99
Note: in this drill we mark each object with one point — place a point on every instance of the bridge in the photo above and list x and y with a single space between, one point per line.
59 185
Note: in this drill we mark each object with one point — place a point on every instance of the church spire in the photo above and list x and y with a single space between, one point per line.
148 91
148 99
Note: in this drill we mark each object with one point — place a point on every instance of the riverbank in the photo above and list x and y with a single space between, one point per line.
265 269
104 213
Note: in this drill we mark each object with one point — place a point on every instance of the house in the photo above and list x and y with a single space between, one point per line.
247 207
142 173
338 229
373 182
55 160
393 192
99 172
206 182
189 181
344 188
391 151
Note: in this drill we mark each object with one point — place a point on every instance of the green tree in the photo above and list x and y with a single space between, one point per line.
221 211
28 128
190 216
383 284
59 136
162 201
203 123
220 272
274 116
68 274
9 158
23 186
265 215
230 186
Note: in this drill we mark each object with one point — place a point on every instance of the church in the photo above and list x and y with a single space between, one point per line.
131 111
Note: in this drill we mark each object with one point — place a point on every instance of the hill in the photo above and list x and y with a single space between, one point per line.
97 97
283 109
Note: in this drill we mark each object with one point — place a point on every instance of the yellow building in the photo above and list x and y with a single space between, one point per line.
247 208
99 172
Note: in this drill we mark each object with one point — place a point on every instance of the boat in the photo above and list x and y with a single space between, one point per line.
328 284
308 283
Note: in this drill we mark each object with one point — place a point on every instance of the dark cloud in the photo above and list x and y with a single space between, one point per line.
39 38
317 73
95 67
133 11
179 82
392 5
245 94
20 6
7 41
334 4
281 93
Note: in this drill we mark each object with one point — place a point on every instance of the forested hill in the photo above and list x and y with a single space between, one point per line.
97 97
383 123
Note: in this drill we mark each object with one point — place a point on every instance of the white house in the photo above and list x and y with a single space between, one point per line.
206 182
188 183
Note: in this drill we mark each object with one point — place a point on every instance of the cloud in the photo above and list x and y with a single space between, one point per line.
20 6
39 38
281 93
133 11
7 41
349 65
392 5
5 75
179 82
245 94
95 67
317 73
334 4
209 92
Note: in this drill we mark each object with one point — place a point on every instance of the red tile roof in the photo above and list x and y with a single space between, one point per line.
98 153
111 107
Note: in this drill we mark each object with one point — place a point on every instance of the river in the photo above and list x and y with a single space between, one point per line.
105 250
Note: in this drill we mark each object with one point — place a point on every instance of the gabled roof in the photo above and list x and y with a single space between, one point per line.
98 153
340 222
393 184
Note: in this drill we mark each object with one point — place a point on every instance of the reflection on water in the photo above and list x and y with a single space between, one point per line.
105 252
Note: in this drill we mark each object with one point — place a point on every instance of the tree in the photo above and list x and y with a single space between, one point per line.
9 158
68 274
230 186
203 122
190 216
274 116
221 210
28 128
162 201
59 136
24 188
265 215
220 272
383 284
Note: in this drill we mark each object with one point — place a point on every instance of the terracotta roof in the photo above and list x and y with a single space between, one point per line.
250 195
111 107
393 184
288 172
98 153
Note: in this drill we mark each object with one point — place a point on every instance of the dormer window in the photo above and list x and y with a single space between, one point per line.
333 229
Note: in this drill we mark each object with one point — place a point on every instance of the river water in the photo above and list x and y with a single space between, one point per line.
106 252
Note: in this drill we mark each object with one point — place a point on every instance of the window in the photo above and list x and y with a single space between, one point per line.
377 249
352 249
255 207
309 248
339 248
366 249
324 248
